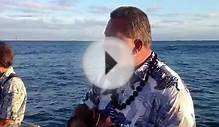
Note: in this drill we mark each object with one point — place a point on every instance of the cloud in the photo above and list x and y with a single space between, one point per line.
107 10
184 19
153 10
185 26
193 16
30 9
23 15
64 2
39 29
172 21
61 20
99 10
214 26
54 28
33 5
189 33
23 4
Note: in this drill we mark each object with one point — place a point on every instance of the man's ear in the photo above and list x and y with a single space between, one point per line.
138 45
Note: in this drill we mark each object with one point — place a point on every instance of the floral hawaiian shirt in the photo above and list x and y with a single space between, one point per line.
12 97
164 101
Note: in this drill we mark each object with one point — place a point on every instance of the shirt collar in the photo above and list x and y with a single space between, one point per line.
7 73
142 71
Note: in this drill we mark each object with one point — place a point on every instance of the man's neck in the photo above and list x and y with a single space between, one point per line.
3 71
143 55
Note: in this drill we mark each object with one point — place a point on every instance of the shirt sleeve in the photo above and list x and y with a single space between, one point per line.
13 99
178 111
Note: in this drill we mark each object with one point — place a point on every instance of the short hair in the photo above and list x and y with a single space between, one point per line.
6 55
139 26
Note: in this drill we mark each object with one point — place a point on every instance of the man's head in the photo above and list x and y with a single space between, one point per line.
131 25
6 57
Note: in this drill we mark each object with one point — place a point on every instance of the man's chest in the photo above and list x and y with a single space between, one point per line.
140 108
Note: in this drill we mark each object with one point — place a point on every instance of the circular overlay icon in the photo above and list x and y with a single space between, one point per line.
108 64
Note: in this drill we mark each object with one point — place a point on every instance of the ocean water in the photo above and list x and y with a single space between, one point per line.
55 81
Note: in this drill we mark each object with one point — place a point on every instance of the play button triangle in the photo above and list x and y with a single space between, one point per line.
109 63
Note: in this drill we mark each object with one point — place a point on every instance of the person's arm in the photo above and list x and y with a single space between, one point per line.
83 112
86 114
5 123
13 99
85 117
178 111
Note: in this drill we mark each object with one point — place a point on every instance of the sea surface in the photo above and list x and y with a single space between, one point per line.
55 81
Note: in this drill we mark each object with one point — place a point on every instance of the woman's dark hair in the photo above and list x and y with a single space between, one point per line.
6 55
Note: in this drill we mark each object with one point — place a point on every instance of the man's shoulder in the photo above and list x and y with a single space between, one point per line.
16 84
16 80
166 84
165 77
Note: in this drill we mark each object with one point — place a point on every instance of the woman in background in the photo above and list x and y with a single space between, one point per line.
12 90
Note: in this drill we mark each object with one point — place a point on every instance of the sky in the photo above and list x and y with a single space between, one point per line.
86 19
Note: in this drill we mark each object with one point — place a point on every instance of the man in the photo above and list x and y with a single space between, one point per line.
154 97
12 90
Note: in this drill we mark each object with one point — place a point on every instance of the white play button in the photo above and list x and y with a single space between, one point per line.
108 64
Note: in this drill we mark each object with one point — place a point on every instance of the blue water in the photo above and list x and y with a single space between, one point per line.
53 74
